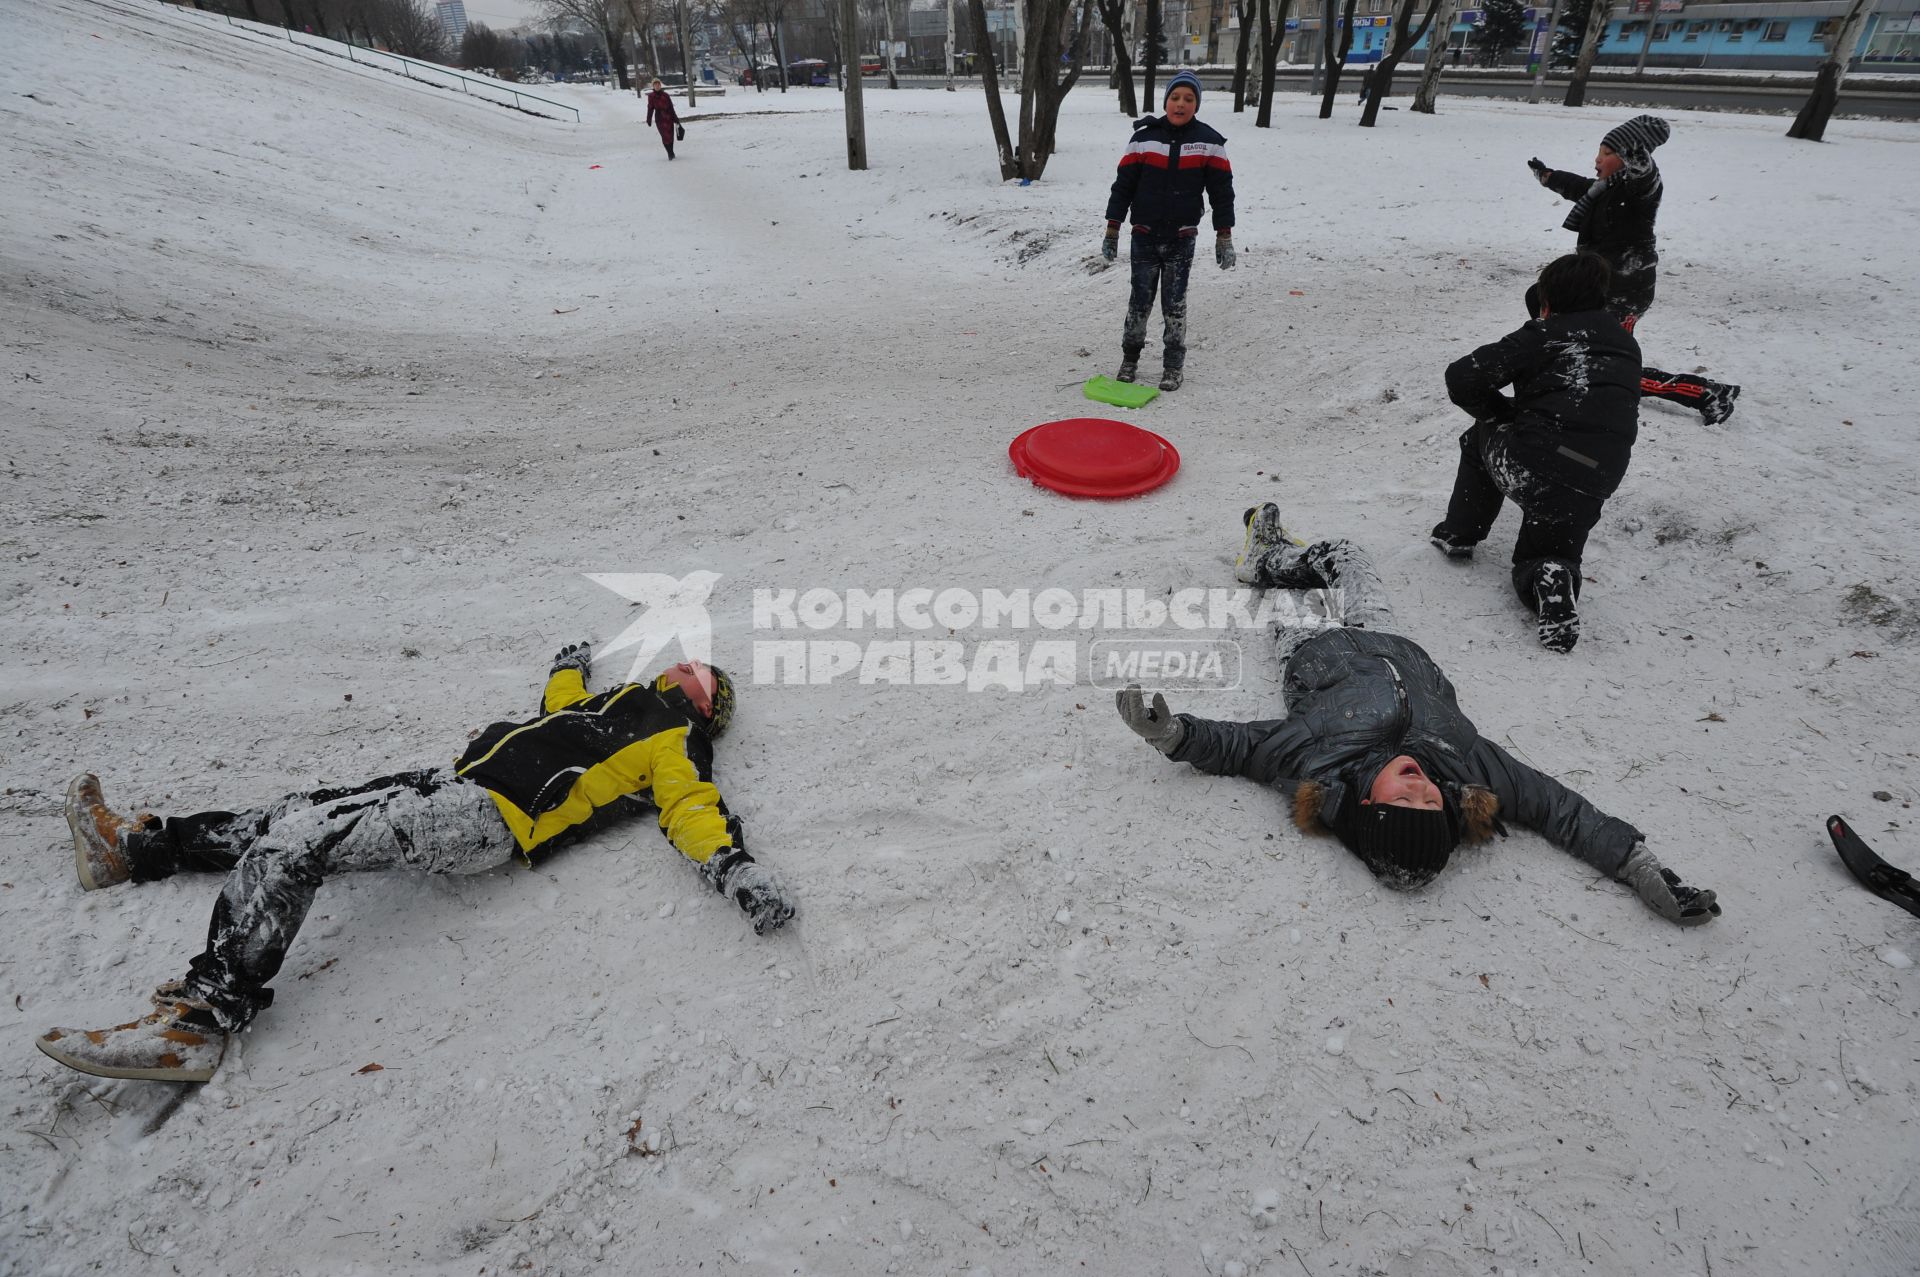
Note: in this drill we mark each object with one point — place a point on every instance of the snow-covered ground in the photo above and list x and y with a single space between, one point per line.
323 390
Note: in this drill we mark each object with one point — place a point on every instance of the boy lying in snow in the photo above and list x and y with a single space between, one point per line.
583 764
1374 746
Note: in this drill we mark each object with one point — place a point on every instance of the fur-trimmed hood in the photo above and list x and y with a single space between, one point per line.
1315 804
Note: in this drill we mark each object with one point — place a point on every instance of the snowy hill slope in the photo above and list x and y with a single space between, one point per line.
322 392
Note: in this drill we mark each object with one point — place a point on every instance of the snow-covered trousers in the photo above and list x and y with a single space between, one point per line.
1554 522
1160 265
276 857
1356 596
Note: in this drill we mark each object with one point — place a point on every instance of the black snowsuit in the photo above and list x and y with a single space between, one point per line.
1357 698
1558 448
1619 227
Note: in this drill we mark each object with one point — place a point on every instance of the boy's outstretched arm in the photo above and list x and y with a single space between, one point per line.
1567 820
697 822
1259 750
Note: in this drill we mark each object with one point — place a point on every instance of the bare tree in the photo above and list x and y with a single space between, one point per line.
406 27
1056 43
1243 9
1811 124
605 18
1155 47
1273 26
1404 36
1336 65
1113 14
1589 47
1423 97
990 81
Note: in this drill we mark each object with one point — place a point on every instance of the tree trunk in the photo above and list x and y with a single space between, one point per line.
1429 89
1152 50
253 11
1404 37
1213 32
893 81
1589 49
686 53
990 81
851 86
1242 56
1271 33
617 56
1113 14
1336 65
1811 124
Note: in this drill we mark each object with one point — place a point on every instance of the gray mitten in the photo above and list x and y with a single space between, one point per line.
1156 725
574 656
1664 893
760 895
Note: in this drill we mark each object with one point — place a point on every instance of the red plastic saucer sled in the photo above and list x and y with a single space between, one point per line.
1094 457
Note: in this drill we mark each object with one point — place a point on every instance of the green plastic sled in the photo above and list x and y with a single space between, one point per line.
1121 394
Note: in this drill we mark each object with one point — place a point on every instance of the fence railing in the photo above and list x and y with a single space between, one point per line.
428 73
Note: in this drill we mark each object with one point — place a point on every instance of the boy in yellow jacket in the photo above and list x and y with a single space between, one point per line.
586 761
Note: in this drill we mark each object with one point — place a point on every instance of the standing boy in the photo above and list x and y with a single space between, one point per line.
1172 160
1613 215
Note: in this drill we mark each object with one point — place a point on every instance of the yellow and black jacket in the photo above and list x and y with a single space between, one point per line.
587 754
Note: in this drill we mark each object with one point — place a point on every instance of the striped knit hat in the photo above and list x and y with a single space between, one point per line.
1637 137
1188 79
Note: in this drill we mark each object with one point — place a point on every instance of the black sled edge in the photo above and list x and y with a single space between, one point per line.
1896 886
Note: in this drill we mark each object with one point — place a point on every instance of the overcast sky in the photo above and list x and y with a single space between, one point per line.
503 13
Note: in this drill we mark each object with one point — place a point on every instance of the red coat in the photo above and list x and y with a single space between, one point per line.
660 108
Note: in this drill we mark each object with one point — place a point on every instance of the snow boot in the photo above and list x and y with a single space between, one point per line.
1891 884
178 1042
1264 533
1447 541
98 856
1170 379
1554 603
1129 367
1717 404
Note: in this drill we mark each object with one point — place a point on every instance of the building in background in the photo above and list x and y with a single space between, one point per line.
453 18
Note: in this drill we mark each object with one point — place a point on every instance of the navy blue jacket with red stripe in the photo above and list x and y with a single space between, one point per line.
1163 174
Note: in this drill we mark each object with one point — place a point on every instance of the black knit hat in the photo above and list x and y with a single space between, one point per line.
1637 137
1406 847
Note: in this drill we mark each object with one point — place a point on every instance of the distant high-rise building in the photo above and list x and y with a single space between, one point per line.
453 17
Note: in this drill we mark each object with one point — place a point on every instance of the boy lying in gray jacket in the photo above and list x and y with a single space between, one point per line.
1375 749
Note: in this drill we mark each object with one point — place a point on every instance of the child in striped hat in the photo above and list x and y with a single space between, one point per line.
1613 214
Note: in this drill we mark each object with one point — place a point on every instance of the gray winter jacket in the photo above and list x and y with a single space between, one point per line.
1356 699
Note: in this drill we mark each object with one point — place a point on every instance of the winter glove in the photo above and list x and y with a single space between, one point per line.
760 895
1663 891
1157 726
1540 171
1223 250
1110 246
574 656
